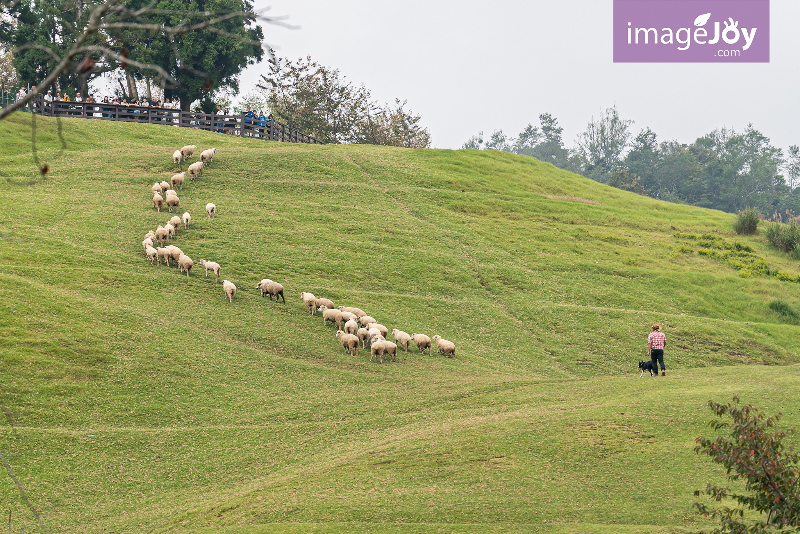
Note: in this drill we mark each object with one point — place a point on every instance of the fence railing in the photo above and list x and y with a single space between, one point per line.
235 124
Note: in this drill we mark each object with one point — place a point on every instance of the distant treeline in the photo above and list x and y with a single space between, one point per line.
724 169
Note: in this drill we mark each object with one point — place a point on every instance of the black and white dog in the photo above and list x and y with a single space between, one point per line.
648 366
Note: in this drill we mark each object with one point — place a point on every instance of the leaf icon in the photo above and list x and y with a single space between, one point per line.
702 19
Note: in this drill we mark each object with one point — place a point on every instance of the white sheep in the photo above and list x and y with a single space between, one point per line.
187 151
351 327
359 313
172 201
177 156
156 188
374 333
383 330
211 209
162 234
331 315
174 252
376 349
177 179
208 155
162 253
147 243
151 253
348 341
170 231
186 219
390 349
271 288
346 316
363 336
175 221
310 301
150 235
214 266
366 319
448 348
158 201
229 288
164 187
423 342
328 303
402 338
194 169
185 263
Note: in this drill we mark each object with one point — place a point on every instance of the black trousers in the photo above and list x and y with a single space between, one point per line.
657 357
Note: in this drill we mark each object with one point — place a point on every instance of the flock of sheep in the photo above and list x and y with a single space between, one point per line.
354 327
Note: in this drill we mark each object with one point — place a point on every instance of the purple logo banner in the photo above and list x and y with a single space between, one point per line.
691 31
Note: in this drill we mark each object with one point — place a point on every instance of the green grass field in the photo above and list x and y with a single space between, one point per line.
140 400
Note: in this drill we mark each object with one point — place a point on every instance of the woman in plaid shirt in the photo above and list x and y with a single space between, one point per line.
656 342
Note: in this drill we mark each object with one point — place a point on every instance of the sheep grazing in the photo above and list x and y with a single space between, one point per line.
448 348
164 187
194 169
348 341
390 349
376 348
363 336
328 303
185 263
177 179
151 253
423 342
187 151
177 156
148 243
162 253
350 327
211 209
359 313
186 219
273 289
346 316
150 235
156 189
382 329
310 301
331 315
402 338
214 266
229 288
174 252
158 201
208 155
170 231
366 319
374 334
162 234
175 221
172 202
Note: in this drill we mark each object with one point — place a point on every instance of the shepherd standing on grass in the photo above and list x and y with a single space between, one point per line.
656 342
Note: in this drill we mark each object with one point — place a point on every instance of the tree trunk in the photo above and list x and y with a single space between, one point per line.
149 93
134 94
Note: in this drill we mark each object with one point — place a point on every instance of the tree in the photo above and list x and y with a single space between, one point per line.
499 141
68 42
475 142
755 455
793 166
8 74
602 145
321 102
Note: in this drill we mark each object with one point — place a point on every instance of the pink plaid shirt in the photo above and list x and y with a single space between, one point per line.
656 340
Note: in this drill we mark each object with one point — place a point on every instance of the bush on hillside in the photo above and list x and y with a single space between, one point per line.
785 237
757 460
784 310
747 221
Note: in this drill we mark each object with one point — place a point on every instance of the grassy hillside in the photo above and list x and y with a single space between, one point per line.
140 400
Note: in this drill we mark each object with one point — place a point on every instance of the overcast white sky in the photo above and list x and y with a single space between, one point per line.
468 66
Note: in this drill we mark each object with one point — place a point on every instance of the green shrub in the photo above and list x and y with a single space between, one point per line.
747 221
785 237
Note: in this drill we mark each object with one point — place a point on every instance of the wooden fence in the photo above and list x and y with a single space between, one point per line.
240 125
